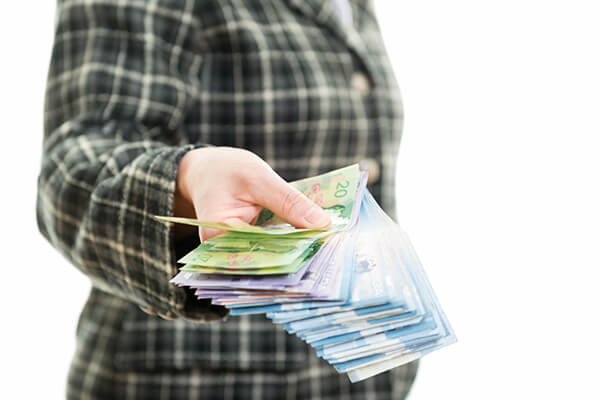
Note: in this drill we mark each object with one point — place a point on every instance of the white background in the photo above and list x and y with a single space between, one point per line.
498 189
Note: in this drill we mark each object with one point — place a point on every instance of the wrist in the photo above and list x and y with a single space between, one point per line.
182 190
183 203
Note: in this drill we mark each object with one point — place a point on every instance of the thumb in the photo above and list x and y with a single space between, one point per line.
290 204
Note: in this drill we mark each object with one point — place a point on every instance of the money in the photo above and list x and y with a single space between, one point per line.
292 267
356 292
247 253
281 229
273 246
335 192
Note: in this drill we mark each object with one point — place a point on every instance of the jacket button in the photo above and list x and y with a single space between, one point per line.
372 168
361 83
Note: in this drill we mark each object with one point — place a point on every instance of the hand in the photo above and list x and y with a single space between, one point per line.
229 185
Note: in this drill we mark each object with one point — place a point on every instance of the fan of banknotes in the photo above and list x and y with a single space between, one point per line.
356 292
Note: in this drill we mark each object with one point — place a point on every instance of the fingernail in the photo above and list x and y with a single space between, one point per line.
317 218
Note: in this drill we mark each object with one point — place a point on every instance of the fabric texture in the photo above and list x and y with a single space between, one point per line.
343 10
132 86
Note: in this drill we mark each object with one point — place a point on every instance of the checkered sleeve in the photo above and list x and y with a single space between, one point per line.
121 78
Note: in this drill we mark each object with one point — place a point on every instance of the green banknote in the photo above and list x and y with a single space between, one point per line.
250 253
237 250
282 229
281 269
335 192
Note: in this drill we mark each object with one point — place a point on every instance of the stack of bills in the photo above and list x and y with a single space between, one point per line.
356 292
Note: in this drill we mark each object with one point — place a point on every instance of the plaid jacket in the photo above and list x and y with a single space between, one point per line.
133 85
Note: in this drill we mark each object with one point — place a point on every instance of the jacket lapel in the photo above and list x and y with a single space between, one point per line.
321 11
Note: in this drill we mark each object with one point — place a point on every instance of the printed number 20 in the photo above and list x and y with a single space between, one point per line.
340 189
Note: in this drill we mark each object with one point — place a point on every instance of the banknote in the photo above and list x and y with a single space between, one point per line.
280 229
292 267
262 282
365 345
250 253
283 317
335 192
336 334
343 317
235 250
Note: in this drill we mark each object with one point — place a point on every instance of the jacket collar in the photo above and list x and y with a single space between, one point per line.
322 12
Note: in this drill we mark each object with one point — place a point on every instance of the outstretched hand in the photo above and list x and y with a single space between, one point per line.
230 185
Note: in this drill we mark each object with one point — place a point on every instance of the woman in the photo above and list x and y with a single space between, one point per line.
203 109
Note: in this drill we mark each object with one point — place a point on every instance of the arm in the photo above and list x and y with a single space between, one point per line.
117 92
119 86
